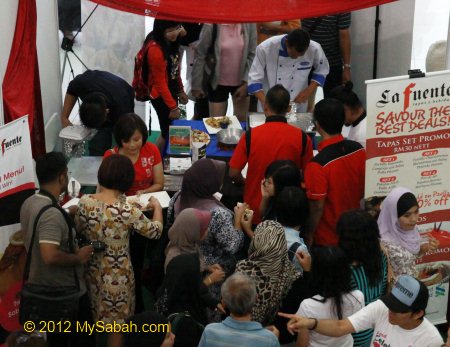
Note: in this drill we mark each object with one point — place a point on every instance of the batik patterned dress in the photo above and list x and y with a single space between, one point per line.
109 275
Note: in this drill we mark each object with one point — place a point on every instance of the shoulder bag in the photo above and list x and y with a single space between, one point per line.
48 303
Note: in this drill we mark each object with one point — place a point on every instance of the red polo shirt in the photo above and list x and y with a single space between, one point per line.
336 175
274 140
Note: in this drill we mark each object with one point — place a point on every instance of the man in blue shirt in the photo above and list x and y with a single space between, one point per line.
238 297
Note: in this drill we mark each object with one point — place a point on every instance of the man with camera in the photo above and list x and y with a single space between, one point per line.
54 260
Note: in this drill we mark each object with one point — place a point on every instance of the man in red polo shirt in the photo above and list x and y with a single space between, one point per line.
334 178
274 140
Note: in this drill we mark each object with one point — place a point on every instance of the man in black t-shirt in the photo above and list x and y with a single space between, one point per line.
105 98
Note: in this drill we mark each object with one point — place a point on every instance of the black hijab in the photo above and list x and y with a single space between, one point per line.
184 288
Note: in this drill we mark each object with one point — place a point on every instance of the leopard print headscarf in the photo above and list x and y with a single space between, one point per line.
269 266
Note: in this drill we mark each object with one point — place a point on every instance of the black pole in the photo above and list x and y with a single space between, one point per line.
375 48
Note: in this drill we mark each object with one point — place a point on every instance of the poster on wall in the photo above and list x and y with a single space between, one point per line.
408 145
16 164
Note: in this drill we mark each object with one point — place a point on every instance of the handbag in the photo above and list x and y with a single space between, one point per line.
48 303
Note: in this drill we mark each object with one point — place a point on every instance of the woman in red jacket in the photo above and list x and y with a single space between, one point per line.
164 63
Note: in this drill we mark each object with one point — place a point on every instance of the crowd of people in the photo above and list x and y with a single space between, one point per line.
298 261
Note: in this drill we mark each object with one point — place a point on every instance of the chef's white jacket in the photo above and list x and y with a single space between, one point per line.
272 65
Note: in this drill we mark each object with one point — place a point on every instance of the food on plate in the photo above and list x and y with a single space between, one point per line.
200 136
217 122
434 274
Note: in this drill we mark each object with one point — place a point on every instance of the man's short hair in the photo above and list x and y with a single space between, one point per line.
291 207
116 172
278 98
93 110
330 115
299 40
239 294
50 166
126 126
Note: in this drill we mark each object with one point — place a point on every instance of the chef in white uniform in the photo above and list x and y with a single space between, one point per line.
288 60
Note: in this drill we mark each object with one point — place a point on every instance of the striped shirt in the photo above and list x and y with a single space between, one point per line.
360 281
326 32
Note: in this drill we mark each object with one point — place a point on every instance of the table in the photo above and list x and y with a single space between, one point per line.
231 193
212 150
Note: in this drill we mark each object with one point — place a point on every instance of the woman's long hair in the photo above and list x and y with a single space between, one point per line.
157 35
359 238
330 275
284 173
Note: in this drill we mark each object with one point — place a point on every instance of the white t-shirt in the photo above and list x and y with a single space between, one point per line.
376 316
358 133
352 302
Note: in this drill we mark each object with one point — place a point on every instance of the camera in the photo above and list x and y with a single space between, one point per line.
99 246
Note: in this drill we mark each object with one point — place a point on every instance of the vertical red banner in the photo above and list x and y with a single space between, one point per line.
21 85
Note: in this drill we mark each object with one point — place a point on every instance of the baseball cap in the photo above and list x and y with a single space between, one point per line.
408 294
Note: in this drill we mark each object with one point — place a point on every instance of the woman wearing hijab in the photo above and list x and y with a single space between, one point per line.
183 291
399 233
225 236
186 234
269 266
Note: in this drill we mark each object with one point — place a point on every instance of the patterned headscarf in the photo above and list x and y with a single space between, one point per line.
186 233
269 266
390 230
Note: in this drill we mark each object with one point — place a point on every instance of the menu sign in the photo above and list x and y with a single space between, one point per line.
408 145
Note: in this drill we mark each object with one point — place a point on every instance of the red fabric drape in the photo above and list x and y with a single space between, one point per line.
21 86
237 11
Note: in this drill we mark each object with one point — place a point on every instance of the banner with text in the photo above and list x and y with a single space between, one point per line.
16 164
408 145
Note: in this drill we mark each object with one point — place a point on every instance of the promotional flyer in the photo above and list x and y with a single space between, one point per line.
408 145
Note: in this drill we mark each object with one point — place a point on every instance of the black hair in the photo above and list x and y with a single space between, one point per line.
298 39
157 35
291 207
359 238
116 172
330 115
126 126
346 95
93 110
50 166
278 99
330 275
284 173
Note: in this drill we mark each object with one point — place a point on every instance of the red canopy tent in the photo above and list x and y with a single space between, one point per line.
237 11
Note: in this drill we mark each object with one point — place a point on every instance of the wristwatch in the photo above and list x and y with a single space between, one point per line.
348 66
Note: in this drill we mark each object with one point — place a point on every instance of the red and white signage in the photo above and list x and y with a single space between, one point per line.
408 145
16 163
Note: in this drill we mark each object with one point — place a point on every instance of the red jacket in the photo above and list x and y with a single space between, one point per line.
157 75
